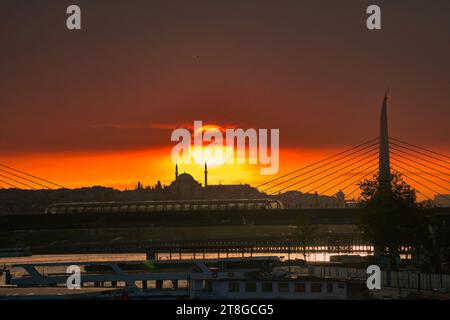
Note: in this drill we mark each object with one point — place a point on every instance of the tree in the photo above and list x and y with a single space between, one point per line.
391 217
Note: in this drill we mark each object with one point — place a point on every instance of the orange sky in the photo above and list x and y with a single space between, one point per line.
122 170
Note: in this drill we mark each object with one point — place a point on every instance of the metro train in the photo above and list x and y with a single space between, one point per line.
163 206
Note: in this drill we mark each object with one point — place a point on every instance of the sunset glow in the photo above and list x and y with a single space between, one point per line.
122 170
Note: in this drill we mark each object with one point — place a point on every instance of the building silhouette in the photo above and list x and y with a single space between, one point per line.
185 187
442 200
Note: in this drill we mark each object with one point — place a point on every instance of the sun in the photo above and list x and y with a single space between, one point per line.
214 154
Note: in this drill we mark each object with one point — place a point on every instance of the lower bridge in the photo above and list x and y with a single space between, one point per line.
334 216
180 218
136 232
227 247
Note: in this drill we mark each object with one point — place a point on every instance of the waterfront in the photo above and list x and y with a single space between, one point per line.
55 258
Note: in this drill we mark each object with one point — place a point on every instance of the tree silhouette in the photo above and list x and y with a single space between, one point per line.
392 218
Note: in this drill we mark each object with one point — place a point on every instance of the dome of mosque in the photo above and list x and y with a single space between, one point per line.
185 177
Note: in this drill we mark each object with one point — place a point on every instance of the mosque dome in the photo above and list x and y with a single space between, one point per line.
185 177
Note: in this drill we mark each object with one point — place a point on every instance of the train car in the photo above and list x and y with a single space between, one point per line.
163 206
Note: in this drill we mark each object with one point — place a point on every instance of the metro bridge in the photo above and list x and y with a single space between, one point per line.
332 216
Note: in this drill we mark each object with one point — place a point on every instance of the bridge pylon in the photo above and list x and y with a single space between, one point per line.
384 169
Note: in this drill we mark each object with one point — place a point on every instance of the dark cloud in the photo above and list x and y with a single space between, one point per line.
309 68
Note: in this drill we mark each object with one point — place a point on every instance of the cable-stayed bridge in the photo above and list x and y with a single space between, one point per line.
427 171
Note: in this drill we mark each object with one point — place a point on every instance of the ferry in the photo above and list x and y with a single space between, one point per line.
221 278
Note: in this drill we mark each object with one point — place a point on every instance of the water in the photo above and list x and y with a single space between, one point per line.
55 258
64 258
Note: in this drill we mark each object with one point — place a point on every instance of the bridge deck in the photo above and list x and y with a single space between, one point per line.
177 218
191 218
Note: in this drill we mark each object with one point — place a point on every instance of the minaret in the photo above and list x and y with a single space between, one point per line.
176 171
384 171
206 175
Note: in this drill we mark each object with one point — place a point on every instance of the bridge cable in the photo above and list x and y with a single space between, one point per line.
352 164
30 175
359 179
419 163
25 179
353 183
10 184
315 163
323 166
354 175
348 172
416 156
424 194
410 165
316 174
423 185
421 176
408 144
418 183
1 175
328 169
418 147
